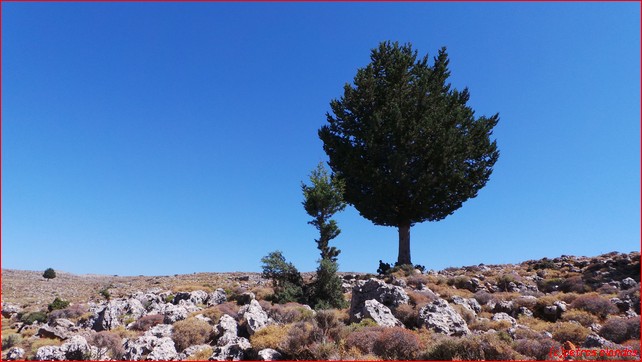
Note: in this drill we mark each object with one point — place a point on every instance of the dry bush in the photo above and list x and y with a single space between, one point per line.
535 324
574 284
480 347
582 317
607 289
570 331
202 355
263 293
290 313
11 340
486 324
110 341
417 280
363 339
190 332
620 329
212 313
407 315
191 288
147 322
420 298
483 297
524 302
330 324
325 351
300 337
73 312
539 349
396 343
595 304
271 336
123 332
464 312
229 308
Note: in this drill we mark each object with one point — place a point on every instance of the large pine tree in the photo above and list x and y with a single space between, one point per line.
405 144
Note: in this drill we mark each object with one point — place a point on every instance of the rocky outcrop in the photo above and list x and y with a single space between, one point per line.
254 315
379 313
389 295
469 303
216 297
440 317
192 350
234 351
76 349
504 317
151 347
9 309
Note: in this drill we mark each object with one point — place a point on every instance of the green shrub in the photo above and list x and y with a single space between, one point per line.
286 279
30 318
49 273
58 304
327 291
11 340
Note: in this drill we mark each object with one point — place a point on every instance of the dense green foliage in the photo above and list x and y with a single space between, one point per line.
286 279
322 199
57 304
406 145
326 289
32 317
49 273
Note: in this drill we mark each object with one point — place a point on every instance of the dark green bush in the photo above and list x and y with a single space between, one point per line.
57 304
286 279
33 317
327 292
49 273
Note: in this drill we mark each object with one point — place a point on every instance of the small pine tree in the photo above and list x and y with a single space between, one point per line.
327 293
286 279
322 200
49 273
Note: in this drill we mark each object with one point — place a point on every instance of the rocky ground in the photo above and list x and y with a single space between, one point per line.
482 312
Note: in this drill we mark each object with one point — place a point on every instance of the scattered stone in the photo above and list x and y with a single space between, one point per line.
269 354
174 313
49 353
160 330
15 353
47 331
470 303
245 298
9 309
503 306
504 317
226 329
628 283
442 318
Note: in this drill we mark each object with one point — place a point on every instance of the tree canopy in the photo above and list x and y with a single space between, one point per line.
405 143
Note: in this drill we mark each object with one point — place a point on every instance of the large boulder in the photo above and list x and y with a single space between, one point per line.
440 317
216 297
151 347
47 331
469 303
109 317
174 313
192 350
234 351
9 309
160 330
226 330
504 317
76 349
379 313
255 316
628 283
389 295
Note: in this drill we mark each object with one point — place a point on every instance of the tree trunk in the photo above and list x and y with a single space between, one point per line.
404 244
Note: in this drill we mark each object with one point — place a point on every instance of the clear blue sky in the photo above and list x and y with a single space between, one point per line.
163 138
